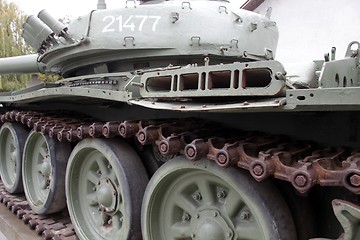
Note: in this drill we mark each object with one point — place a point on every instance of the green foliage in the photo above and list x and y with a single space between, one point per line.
48 77
11 43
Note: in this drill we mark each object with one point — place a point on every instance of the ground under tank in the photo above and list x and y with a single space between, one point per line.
174 121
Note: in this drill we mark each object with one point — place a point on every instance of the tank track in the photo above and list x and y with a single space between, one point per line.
56 226
300 163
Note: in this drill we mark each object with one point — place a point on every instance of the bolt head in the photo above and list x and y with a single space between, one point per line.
186 217
221 194
197 196
163 147
142 136
245 215
355 180
300 181
190 152
222 158
122 130
258 170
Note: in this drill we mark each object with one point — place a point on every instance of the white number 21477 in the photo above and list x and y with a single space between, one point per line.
132 23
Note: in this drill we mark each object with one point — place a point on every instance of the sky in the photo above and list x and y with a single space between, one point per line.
73 8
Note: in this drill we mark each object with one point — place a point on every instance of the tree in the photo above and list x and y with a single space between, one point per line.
11 43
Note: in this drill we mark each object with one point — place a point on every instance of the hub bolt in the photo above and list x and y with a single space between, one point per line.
197 197
221 194
186 217
245 215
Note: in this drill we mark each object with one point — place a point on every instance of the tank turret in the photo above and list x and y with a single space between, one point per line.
150 36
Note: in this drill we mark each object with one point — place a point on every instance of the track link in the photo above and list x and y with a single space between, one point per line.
56 226
302 164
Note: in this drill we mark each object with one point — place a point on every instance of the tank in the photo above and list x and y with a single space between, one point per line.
174 121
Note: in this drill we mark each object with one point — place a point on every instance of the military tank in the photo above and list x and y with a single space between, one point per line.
172 120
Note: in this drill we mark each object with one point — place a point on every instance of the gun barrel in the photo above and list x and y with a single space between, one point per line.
21 65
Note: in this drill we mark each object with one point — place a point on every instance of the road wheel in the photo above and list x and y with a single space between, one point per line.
44 165
105 183
12 141
199 200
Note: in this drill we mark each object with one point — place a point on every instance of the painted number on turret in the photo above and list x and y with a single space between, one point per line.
132 23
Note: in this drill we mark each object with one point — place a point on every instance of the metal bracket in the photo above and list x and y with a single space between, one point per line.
126 3
269 55
127 39
253 26
333 53
348 215
184 3
353 50
175 17
234 43
223 9
193 41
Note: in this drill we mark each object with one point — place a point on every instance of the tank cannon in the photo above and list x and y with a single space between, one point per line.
188 95
21 64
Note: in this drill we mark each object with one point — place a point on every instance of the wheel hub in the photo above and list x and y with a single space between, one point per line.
13 155
106 195
13 160
209 224
45 168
